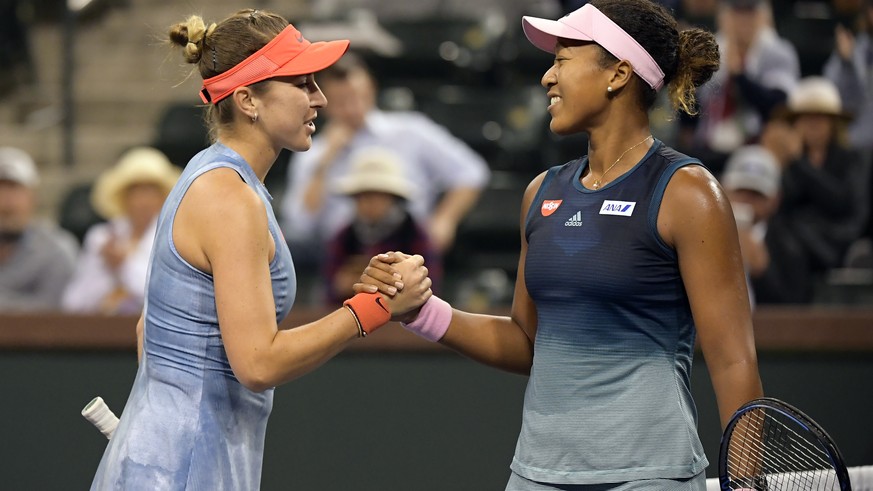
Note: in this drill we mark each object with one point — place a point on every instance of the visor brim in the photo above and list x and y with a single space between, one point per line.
544 33
316 57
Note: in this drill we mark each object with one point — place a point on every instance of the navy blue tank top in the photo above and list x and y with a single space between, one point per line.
609 397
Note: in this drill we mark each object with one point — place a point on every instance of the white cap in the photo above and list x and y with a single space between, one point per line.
753 167
17 166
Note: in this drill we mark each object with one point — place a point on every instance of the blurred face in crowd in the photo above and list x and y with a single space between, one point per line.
16 207
350 98
700 8
142 203
761 206
816 130
372 206
742 24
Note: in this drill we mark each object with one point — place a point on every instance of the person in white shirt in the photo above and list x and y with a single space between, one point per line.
36 256
850 67
757 71
448 173
110 276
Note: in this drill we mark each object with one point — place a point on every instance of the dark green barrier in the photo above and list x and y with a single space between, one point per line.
376 421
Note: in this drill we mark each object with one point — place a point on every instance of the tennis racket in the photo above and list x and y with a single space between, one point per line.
99 414
769 445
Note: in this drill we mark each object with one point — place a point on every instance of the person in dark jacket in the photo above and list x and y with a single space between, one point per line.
824 191
382 221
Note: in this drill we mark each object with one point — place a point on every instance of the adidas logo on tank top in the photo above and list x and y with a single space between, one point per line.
575 220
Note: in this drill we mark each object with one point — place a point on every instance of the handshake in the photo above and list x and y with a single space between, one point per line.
402 282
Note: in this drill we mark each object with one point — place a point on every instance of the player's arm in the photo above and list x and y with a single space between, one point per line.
501 342
452 208
696 219
140 325
233 236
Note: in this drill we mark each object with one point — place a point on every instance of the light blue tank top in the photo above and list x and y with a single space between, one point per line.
608 398
189 423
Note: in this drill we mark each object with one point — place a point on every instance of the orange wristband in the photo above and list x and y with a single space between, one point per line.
370 309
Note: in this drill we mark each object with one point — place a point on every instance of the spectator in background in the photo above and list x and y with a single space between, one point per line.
15 58
393 10
758 69
382 222
110 276
36 258
698 13
824 196
447 173
776 266
850 67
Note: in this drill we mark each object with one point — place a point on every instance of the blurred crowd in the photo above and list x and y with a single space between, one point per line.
786 128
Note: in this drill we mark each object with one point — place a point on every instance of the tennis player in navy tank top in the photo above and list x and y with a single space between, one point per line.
628 256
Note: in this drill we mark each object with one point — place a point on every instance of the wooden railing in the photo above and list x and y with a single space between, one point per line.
776 329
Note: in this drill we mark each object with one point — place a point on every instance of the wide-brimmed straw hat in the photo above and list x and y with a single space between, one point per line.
375 169
140 165
816 95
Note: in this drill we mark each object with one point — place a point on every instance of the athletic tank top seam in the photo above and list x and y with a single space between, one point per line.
657 199
550 174
689 438
184 191
695 466
247 174
171 225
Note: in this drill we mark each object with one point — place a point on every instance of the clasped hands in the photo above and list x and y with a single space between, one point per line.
401 279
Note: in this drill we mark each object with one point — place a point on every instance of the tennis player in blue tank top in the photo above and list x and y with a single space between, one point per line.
627 256
221 277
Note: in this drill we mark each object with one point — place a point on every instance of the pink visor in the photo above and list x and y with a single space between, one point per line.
590 24
287 54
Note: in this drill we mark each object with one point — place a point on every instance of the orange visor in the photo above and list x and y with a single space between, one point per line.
287 54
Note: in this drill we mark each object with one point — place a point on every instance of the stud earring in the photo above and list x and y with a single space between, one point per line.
609 89
255 118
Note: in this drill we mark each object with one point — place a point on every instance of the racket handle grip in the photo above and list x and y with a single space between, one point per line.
99 414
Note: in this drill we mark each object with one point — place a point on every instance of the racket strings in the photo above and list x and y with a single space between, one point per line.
767 452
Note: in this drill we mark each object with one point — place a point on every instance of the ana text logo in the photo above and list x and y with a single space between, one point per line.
620 208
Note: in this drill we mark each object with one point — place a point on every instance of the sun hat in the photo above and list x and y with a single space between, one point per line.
375 169
754 168
590 24
139 165
287 54
816 95
17 166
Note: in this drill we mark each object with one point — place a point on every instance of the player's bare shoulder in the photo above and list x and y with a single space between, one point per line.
693 199
218 210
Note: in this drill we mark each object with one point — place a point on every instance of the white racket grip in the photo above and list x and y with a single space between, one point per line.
99 414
